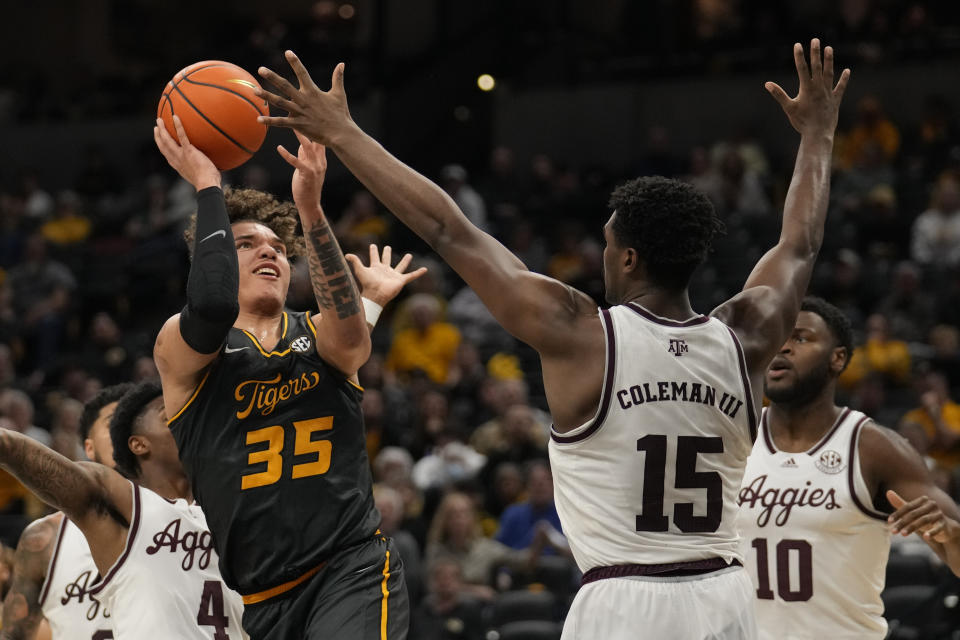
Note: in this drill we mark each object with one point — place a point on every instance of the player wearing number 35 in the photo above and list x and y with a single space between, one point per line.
265 408
653 404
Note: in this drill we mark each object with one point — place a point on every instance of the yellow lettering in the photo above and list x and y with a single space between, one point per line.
240 394
304 444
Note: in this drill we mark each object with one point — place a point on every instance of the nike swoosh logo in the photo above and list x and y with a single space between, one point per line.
221 233
374 565
233 349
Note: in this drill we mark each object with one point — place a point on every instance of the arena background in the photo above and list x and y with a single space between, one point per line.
588 92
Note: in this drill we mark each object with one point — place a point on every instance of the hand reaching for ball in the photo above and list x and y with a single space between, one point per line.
192 165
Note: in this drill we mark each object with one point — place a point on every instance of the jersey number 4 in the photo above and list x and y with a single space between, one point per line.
687 477
272 455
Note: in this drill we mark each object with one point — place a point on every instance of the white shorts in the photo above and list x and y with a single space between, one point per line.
718 606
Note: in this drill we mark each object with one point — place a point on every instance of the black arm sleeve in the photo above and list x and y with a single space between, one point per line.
214 281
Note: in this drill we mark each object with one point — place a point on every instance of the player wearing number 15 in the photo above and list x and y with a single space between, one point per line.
652 403
813 506
268 419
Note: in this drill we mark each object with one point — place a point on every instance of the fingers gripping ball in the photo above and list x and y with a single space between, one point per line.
216 103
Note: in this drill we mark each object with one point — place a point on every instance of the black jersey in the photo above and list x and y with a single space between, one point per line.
274 446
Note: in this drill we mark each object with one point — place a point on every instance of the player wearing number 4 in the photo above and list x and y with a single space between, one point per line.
813 507
149 542
653 526
267 408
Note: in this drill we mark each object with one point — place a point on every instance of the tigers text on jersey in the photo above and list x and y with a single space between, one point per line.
274 446
653 478
65 598
166 583
815 547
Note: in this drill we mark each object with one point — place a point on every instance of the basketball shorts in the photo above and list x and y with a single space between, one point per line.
716 606
359 594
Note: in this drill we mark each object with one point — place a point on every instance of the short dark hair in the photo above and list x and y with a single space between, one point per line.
91 410
836 321
126 421
669 223
251 205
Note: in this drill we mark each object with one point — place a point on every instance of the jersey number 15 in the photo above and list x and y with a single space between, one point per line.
273 454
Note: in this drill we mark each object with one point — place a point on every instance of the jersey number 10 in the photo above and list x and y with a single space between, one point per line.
273 454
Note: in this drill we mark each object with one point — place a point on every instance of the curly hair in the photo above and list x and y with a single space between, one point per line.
126 421
669 223
835 320
91 410
251 205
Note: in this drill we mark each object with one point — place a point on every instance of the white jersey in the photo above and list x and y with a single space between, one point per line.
166 583
653 478
816 549
65 597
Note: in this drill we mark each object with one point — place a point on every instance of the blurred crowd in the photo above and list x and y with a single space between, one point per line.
533 42
456 421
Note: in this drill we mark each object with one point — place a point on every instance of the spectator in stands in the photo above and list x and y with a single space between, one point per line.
18 408
495 436
505 489
455 531
502 189
910 308
519 523
935 239
429 345
65 429
447 613
871 126
939 417
105 353
514 437
42 295
68 226
362 224
881 353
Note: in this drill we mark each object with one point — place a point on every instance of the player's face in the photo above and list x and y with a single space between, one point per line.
98 445
163 448
264 268
803 366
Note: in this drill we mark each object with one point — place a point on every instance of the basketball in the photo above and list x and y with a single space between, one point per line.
216 103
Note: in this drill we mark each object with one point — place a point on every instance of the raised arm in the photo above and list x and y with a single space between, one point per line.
343 339
536 309
22 613
763 315
189 341
95 497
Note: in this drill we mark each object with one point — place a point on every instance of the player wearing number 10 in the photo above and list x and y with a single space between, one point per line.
652 403
267 409
814 503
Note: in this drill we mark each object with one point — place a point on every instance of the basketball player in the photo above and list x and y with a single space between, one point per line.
813 511
148 539
651 525
268 419
53 568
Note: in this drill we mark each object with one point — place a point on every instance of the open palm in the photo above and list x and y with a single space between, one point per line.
380 282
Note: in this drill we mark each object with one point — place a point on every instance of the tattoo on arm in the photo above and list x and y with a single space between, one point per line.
332 280
62 483
22 613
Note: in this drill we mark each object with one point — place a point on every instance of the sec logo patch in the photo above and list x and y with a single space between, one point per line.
830 462
301 344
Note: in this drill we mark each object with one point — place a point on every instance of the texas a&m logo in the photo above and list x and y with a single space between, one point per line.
678 347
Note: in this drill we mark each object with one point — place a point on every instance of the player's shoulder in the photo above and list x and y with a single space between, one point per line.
883 450
749 309
40 536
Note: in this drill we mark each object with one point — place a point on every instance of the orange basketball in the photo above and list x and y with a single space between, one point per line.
216 103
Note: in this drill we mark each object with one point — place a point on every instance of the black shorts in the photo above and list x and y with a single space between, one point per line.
359 594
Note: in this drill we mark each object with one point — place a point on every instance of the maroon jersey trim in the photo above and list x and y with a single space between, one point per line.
855 459
667 322
53 560
131 538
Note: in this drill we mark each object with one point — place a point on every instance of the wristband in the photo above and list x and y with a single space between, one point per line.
371 310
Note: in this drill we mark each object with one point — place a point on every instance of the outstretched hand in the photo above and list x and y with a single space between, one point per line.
815 109
309 170
319 115
380 282
191 163
922 516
